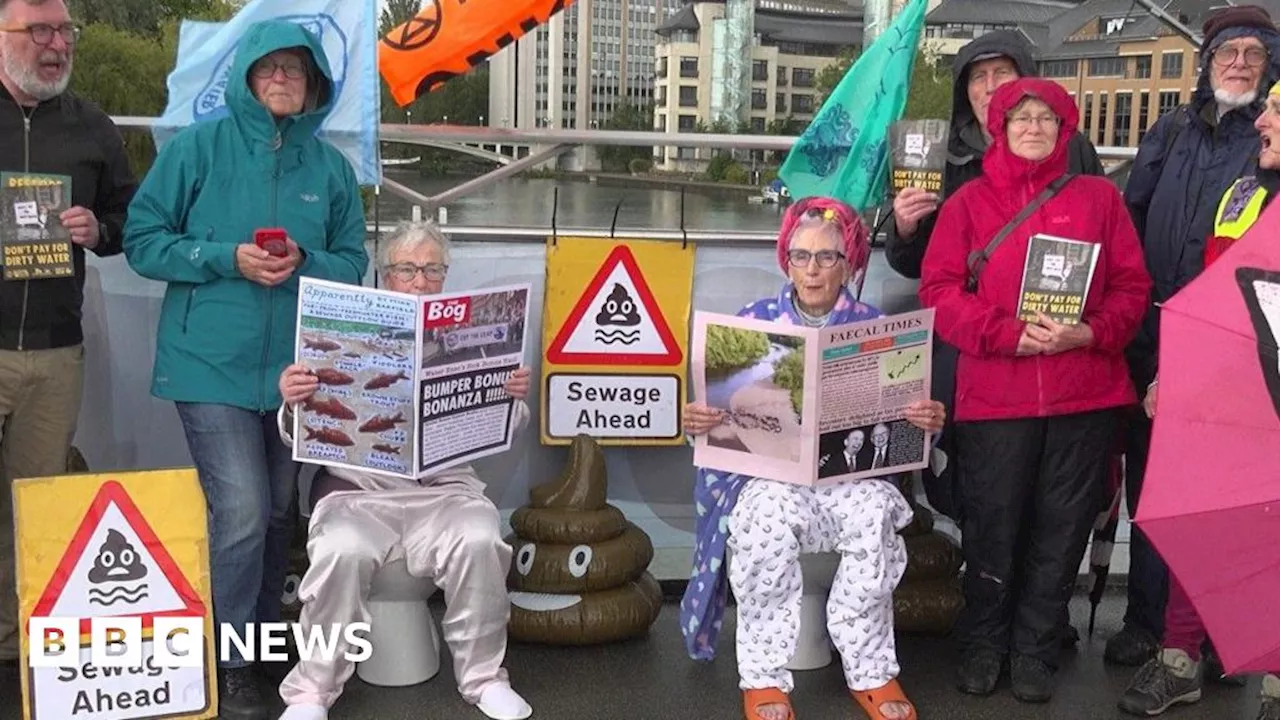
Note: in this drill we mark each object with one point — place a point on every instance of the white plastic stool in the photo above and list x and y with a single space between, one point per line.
813 646
406 646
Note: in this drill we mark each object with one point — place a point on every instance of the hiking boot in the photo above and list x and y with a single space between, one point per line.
239 695
1070 637
1132 646
1032 680
1166 680
979 672
1270 709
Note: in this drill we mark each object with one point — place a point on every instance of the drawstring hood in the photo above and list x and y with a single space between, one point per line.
1001 165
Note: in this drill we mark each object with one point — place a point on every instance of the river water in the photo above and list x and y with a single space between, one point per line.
582 204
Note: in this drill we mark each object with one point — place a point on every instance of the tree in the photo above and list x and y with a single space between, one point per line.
617 158
397 13
147 17
930 89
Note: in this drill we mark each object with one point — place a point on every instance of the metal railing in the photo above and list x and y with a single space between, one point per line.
549 143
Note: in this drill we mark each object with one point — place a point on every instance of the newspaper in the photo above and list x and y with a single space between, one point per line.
813 406
919 150
1057 278
37 245
409 385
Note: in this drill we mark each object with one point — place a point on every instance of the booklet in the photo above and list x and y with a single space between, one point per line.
813 405
36 244
409 385
1057 278
919 149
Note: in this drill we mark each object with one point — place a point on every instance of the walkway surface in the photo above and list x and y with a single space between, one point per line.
652 679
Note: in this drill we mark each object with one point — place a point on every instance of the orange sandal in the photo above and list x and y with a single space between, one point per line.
871 700
754 699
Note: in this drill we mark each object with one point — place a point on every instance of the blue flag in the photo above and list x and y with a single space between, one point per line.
843 153
348 32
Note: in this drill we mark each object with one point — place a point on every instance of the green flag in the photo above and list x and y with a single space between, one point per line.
844 151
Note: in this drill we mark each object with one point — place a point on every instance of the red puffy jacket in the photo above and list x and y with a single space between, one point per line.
992 381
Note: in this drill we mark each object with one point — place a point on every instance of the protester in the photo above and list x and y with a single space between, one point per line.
1175 675
822 247
1184 165
48 129
1036 402
227 324
980 67
443 526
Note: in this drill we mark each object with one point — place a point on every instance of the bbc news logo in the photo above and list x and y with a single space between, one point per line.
179 642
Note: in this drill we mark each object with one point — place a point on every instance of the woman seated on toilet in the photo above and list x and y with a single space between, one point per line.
443 526
822 247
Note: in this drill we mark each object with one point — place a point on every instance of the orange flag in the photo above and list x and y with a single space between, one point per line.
448 38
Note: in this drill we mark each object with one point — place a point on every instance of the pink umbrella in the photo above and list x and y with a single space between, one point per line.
1211 498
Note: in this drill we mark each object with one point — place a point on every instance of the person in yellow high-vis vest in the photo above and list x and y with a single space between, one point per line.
1173 676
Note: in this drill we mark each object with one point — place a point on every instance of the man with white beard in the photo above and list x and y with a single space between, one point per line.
1184 166
45 129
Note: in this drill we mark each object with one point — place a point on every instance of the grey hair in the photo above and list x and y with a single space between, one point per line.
409 235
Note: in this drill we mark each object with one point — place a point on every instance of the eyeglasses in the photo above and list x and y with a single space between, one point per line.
406 272
1027 120
42 33
267 68
826 258
1226 55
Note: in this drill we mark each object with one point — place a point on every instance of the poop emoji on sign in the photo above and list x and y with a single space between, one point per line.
580 572
618 309
117 562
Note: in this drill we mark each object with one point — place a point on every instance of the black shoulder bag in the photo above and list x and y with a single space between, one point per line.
978 258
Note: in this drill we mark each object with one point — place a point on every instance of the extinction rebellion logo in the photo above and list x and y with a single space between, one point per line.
211 99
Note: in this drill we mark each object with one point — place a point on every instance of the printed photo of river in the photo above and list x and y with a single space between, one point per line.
758 379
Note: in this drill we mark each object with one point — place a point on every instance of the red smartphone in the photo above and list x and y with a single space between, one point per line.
272 240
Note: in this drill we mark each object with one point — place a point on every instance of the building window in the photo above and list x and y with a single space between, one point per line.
688 67
689 96
688 123
759 100
802 103
802 77
1169 99
662 67
780 103
1087 128
1144 101
1059 68
1142 67
662 123
760 71
1102 119
782 76
757 125
1107 67
1171 65
1120 123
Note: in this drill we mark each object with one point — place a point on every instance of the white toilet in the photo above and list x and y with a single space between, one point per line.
406 645
813 646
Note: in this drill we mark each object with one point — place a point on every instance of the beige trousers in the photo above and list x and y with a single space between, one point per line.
40 393
449 533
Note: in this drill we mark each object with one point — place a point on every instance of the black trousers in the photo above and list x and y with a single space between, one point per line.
1031 491
1148 576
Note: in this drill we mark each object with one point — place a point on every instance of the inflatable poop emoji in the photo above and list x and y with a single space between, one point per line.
618 309
580 572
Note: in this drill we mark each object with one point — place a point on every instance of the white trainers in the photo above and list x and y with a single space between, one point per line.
500 702
305 712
